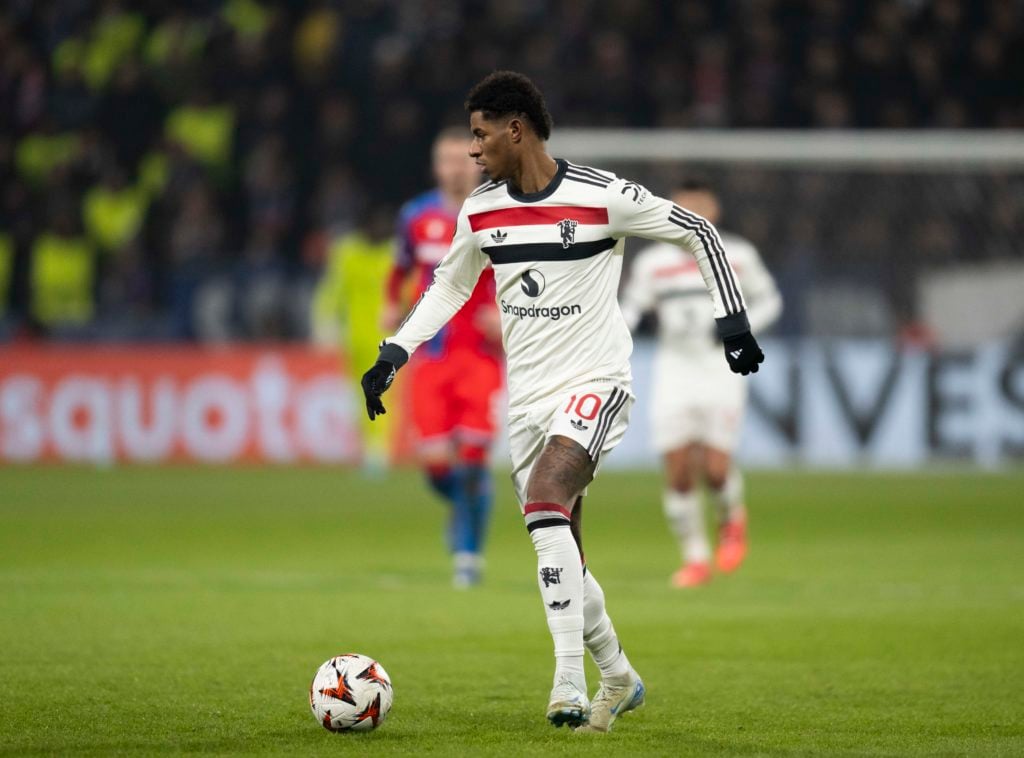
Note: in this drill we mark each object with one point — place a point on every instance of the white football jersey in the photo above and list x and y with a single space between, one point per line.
557 258
664 279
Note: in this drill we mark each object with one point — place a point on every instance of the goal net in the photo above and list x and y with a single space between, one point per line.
868 233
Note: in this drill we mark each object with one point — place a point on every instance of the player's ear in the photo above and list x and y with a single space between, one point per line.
515 129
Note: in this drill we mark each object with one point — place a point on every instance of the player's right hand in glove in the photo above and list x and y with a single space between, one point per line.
743 353
376 381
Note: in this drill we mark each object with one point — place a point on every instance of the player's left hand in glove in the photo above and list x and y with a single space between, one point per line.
376 381
743 353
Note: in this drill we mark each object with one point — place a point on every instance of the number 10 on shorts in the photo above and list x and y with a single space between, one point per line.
587 406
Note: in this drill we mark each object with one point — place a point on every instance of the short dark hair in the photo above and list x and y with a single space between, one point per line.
509 93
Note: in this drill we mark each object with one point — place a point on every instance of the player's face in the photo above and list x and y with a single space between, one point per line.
454 171
701 202
491 147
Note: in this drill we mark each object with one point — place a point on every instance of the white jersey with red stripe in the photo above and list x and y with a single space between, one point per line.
694 396
557 259
663 279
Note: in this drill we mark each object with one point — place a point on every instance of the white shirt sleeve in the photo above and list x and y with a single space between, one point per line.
638 294
633 211
454 280
764 303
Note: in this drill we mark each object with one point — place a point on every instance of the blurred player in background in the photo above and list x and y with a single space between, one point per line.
456 377
553 232
697 404
346 302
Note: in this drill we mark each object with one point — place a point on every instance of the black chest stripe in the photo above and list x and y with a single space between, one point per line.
546 251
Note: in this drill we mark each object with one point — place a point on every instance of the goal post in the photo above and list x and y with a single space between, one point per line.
939 150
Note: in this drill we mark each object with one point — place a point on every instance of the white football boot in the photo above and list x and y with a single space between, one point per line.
615 696
568 705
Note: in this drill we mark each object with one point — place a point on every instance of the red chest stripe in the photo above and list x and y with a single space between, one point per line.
681 268
543 214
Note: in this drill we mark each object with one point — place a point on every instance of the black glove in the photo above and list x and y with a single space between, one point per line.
375 382
743 353
379 377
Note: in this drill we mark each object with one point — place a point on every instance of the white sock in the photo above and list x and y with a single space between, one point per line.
466 561
685 515
560 578
729 499
599 634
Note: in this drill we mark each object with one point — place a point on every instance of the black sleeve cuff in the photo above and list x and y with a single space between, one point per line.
733 325
393 354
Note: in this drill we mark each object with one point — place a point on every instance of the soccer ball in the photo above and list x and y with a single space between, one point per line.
350 692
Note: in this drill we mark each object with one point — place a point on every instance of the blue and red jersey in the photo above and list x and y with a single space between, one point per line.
425 231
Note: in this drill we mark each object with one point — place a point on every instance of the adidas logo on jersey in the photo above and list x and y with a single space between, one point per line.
556 605
736 353
498 236
577 424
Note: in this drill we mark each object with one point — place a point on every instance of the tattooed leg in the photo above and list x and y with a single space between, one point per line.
561 472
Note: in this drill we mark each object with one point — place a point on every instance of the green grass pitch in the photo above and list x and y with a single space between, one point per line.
184 610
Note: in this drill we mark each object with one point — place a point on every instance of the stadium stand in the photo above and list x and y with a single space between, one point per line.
167 169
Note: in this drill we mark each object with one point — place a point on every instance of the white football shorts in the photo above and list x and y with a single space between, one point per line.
595 415
696 399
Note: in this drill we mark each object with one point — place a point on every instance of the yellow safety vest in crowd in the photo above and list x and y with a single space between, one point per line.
204 131
113 217
38 154
248 17
112 39
61 277
169 36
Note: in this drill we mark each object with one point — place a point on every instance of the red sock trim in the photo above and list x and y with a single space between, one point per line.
534 507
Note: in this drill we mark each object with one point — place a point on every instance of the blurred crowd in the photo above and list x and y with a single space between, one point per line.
183 171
